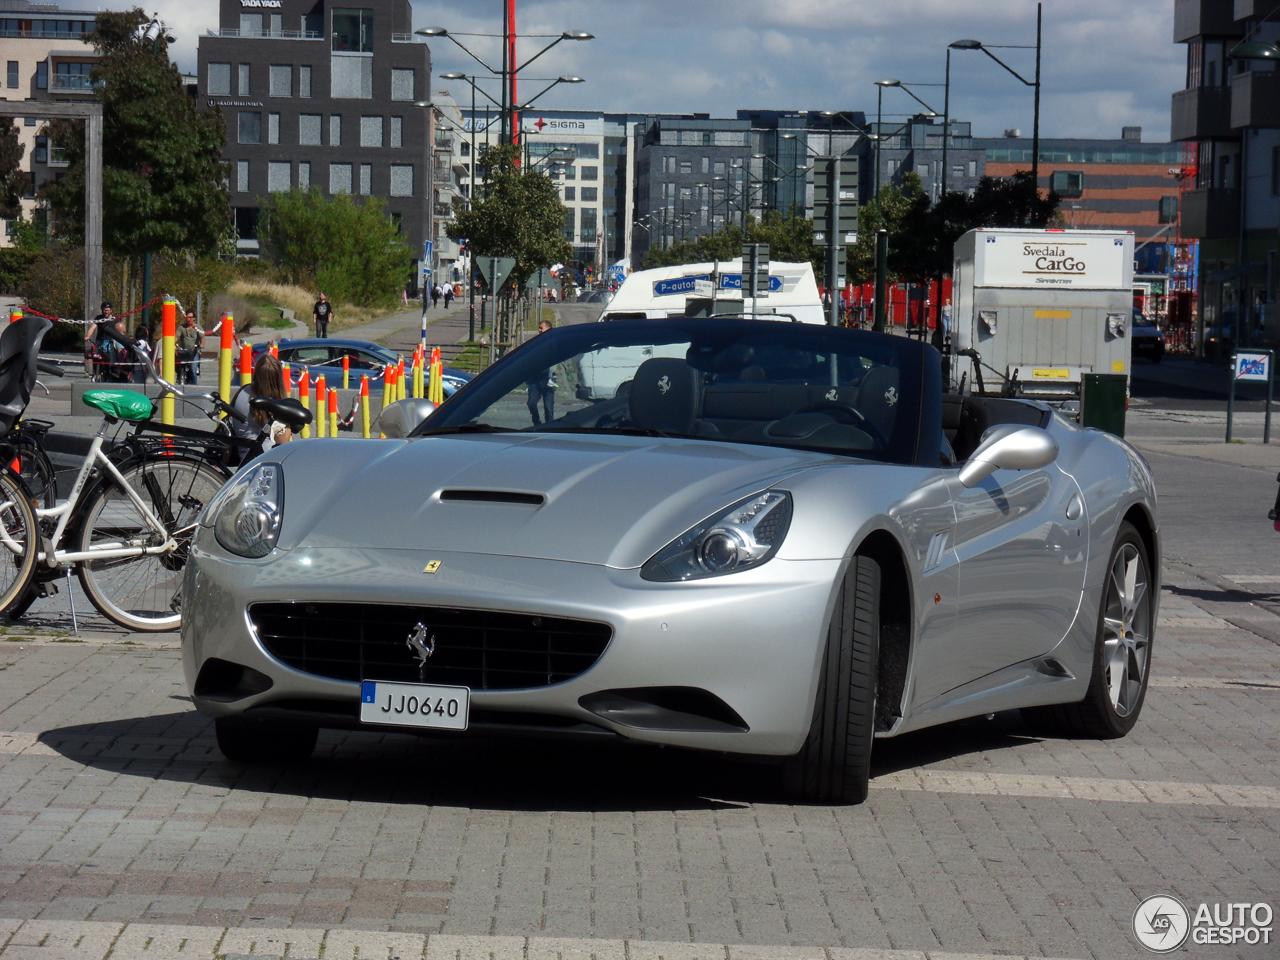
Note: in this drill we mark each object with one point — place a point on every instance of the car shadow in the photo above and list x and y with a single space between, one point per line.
509 774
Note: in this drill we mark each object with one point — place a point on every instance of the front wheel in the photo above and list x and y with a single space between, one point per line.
19 542
143 592
1122 652
834 766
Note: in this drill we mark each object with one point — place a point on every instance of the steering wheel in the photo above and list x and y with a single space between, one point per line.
856 417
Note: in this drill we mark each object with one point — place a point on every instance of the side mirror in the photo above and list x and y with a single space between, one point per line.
1009 447
399 419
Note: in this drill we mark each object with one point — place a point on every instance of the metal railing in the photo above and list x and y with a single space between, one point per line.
70 81
11 34
234 32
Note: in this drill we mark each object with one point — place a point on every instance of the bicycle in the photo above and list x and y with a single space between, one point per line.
131 511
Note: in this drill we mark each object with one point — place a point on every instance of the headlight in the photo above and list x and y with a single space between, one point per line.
246 518
742 537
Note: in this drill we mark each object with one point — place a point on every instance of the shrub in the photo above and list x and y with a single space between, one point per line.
14 264
246 314
183 279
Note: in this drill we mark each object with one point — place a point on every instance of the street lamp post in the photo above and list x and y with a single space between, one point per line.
1035 129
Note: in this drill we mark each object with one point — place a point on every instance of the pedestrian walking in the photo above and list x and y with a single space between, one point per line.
542 388
448 295
435 295
322 313
189 341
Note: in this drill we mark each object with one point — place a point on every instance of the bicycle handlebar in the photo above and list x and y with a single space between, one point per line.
229 410
50 368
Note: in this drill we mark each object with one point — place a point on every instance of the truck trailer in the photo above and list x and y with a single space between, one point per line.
1035 310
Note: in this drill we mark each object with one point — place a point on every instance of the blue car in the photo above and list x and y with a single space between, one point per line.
324 357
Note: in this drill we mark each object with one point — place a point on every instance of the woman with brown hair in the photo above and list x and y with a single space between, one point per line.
268 381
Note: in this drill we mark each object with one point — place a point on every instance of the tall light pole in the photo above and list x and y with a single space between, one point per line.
880 85
509 70
1035 130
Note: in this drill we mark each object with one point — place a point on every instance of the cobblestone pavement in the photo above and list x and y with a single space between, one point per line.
123 832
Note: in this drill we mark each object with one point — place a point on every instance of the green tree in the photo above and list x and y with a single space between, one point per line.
13 181
162 172
518 214
351 250
790 240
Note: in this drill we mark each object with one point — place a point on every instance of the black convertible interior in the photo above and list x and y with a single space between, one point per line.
966 418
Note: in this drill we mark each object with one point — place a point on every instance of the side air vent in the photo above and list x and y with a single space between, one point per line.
494 496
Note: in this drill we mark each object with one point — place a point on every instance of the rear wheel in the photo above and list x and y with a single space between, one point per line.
1122 653
834 765
19 542
144 592
253 741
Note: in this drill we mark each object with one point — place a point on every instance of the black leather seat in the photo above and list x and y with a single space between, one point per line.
878 398
289 412
666 395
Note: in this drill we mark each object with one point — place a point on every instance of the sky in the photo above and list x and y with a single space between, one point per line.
1107 63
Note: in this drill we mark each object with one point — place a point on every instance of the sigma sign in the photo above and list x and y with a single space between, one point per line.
1063 259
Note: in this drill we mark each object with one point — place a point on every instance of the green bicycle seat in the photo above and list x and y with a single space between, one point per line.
121 404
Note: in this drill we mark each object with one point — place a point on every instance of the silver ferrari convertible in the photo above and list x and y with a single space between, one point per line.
757 537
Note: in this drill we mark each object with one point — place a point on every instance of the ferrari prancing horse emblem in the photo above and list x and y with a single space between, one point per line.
664 385
432 566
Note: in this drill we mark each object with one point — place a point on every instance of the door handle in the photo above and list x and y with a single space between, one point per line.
1075 507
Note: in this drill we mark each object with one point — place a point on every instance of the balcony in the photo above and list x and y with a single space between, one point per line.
236 33
1203 113
1205 18
58 157
1212 214
1255 100
70 83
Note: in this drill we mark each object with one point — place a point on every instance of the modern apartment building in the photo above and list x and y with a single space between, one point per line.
1229 117
321 94
915 146
45 57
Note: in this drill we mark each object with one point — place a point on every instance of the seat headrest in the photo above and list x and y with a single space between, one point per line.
666 394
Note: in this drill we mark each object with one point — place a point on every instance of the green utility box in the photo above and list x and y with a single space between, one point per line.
1104 398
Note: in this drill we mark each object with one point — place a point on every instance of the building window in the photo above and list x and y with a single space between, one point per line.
402 180
249 127
273 128
571 193
1068 184
590 173
281 80
242 176
218 82
588 230
686 166
1169 209
277 24
366 179
570 173
304 175
250 24
706 164
42 75
245 89
278 177
707 140
304 81
568 224
397 133
590 195
335 130
466 149
402 83
13 74
719 168
973 168
370 131
309 129
353 31
42 150
339 178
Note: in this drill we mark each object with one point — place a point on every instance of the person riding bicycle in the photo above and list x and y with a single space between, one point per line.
117 362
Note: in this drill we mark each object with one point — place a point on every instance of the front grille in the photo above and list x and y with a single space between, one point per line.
482 650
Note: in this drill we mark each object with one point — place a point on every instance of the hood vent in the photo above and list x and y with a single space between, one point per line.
494 496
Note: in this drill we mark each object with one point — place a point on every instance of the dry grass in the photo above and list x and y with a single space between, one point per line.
301 300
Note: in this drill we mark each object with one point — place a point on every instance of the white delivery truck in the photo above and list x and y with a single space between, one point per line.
1035 310
671 291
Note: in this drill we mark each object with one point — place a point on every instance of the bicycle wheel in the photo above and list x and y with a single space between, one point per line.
37 471
20 541
145 592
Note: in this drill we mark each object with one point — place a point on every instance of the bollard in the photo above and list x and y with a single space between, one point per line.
275 351
169 328
400 392
304 395
417 373
226 344
15 314
333 413
287 376
246 364
386 386
435 392
322 395
364 406
346 371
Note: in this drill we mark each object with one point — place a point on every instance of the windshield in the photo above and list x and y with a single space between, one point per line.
780 384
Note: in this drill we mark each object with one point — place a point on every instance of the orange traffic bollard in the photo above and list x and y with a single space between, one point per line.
15 314
321 396
346 371
333 412
304 395
275 351
169 329
226 346
364 406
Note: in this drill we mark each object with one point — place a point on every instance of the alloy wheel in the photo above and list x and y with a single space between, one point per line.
1126 630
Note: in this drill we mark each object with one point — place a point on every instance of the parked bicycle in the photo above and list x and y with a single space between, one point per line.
133 506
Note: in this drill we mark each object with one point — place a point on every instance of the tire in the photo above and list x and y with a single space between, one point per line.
144 592
1123 646
253 741
37 472
834 766
18 562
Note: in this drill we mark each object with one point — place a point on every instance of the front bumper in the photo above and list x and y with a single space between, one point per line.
753 639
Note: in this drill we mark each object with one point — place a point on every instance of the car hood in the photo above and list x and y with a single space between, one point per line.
606 500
